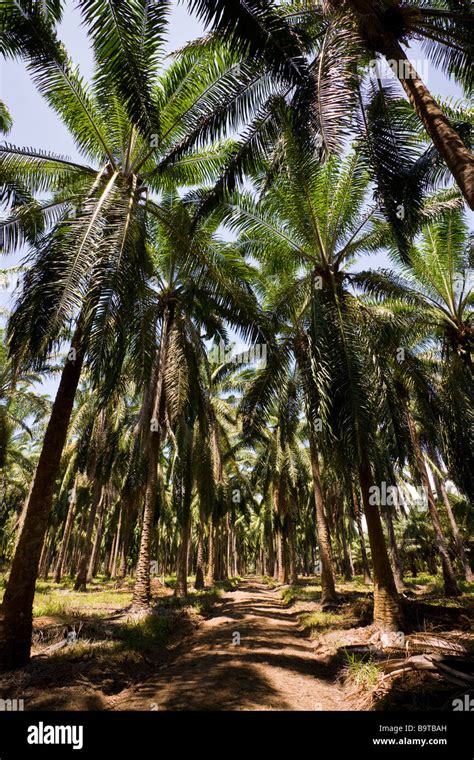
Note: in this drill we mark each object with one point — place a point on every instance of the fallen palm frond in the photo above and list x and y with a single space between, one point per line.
436 663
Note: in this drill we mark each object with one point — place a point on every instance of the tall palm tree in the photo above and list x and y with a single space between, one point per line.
309 222
321 49
435 281
23 411
89 237
281 470
199 285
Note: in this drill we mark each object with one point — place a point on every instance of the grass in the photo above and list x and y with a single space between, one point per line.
201 601
62 602
301 594
128 644
144 635
59 600
310 589
317 622
364 673
133 639
425 579
270 582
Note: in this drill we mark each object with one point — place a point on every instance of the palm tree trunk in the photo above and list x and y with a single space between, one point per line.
199 582
128 507
67 533
81 579
282 552
443 496
116 551
347 567
235 556
457 157
16 620
77 543
182 564
396 562
328 586
363 550
282 559
142 589
94 561
270 556
45 559
230 543
450 584
211 555
186 484
292 551
387 610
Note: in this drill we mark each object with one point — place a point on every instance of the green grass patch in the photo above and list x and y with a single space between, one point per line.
144 635
318 622
301 594
61 602
363 672
201 601
230 584
270 582
435 585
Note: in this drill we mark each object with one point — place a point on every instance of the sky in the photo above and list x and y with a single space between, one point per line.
36 125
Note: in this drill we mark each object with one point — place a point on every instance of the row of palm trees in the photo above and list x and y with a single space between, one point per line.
368 371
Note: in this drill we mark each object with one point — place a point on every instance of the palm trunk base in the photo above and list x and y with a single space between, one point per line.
15 642
199 582
387 612
451 588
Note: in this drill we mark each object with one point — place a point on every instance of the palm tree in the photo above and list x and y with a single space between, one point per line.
324 48
221 487
6 122
434 280
281 470
307 224
199 285
23 411
89 236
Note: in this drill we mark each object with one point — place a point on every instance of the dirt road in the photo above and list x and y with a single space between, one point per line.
249 655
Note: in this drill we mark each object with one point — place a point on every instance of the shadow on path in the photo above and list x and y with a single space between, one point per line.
274 667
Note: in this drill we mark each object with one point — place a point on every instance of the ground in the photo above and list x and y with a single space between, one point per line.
248 644
274 667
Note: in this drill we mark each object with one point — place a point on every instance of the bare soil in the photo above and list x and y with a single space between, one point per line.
249 651
274 667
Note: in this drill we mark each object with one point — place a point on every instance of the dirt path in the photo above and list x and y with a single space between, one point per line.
273 668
